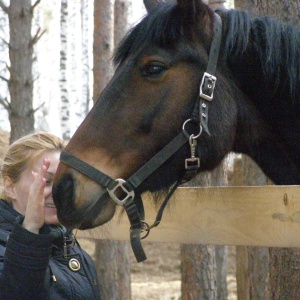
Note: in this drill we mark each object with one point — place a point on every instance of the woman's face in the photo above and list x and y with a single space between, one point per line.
22 187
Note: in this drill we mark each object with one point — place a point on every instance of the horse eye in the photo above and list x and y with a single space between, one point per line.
154 70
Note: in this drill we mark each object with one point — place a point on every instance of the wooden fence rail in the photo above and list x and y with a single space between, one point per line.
241 216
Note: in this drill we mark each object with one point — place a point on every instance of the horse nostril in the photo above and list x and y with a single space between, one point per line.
63 192
68 186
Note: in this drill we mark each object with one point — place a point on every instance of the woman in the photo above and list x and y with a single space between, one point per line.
39 258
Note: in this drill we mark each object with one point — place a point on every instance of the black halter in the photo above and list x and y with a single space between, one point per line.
133 204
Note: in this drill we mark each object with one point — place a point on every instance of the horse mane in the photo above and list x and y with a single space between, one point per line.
276 45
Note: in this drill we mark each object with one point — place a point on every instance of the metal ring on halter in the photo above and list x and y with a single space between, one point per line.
146 229
194 136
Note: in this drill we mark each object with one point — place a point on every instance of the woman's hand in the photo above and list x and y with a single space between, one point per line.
35 211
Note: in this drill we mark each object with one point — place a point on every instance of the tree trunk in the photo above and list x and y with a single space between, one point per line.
221 269
21 114
122 13
103 44
85 40
284 10
65 104
107 268
252 262
112 257
3 69
198 272
284 273
124 269
77 104
114 267
204 268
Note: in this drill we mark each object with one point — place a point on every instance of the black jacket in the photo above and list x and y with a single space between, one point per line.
38 266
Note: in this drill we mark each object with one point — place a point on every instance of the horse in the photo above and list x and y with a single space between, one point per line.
190 86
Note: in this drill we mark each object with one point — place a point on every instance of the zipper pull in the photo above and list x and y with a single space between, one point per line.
65 250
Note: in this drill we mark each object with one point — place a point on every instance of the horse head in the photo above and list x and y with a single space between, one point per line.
160 65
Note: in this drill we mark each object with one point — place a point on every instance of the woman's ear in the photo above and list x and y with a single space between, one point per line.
8 187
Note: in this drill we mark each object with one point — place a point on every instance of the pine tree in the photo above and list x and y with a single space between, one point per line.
20 81
65 104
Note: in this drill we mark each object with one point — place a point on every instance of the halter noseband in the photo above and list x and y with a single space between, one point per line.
134 209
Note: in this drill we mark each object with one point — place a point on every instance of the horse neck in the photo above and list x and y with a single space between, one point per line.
263 56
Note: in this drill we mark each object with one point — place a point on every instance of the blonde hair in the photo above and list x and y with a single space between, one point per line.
25 151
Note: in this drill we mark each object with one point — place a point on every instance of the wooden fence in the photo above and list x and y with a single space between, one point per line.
242 216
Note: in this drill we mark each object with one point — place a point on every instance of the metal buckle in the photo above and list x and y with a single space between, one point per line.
193 162
210 86
120 184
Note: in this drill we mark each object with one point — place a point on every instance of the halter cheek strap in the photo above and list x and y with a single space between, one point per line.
131 203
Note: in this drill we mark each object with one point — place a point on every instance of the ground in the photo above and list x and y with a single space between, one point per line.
158 278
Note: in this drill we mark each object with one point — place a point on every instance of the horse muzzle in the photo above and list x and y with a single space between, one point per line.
80 205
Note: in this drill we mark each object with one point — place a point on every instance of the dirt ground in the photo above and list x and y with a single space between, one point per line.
158 278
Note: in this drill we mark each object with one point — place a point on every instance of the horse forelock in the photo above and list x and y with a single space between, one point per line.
164 27
276 44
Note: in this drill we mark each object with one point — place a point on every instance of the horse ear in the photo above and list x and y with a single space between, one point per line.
197 12
150 4
186 4
191 7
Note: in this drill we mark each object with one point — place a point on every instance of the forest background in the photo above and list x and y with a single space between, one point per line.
66 27
63 39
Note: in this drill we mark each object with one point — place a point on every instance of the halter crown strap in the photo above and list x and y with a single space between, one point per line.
215 46
208 83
